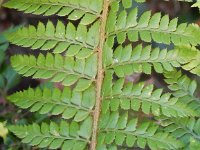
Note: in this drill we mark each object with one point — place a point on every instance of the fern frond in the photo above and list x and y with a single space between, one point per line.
127 60
184 88
118 130
196 4
58 68
88 10
54 136
157 28
180 84
59 38
182 128
128 4
69 103
138 96
140 1
90 55
191 65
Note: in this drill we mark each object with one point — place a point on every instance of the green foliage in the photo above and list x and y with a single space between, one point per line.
71 104
88 11
117 129
127 61
138 96
197 4
78 41
67 70
66 135
91 57
182 128
187 128
157 28
183 88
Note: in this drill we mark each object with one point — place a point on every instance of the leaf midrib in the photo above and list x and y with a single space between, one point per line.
56 102
87 10
136 28
134 133
129 62
145 99
61 70
72 42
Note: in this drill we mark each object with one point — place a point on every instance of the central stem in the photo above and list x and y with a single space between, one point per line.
100 75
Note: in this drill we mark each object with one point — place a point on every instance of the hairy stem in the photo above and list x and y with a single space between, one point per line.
100 75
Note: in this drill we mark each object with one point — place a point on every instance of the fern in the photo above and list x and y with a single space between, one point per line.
187 129
116 129
136 96
59 38
88 10
98 109
126 61
183 87
197 4
183 128
55 135
156 28
66 70
68 103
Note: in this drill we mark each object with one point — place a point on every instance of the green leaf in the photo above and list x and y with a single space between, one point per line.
74 9
32 134
152 28
57 68
55 102
135 132
59 38
127 60
83 85
126 4
150 101
86 128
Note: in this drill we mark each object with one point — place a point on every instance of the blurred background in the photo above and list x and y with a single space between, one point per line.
10 82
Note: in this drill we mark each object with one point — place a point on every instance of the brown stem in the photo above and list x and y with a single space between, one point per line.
100 75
